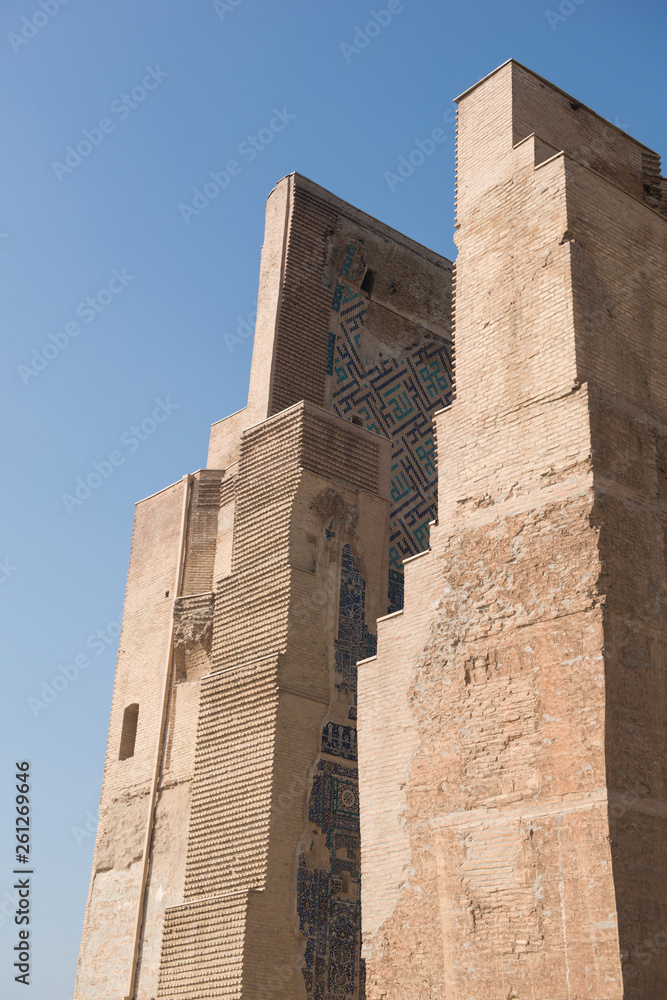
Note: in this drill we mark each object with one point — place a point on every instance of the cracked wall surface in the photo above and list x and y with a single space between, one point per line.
501 859
130 892
269 570
378 754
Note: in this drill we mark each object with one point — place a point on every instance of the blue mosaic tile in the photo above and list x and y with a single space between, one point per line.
329 903
339 741
330 352
395 398
395 588
330 920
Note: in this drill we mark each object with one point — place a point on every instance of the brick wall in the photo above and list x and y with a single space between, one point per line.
522 663
111 915
275 713
173 553
511 723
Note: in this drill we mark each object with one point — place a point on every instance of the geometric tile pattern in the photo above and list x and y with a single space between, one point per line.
354 641
329 902
395 397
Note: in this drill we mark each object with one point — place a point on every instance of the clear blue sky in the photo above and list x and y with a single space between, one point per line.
157 332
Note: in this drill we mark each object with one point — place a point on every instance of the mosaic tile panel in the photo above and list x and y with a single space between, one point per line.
354 641
397 398
329 902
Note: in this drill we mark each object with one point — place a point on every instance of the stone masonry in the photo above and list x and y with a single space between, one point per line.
513 813
227 861
356 683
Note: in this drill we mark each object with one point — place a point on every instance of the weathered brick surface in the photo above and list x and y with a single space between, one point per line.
202 950
511 726
109 928
529 681
274 566
307 234
125 894
263 706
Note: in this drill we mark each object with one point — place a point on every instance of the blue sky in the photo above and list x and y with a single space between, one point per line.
166 289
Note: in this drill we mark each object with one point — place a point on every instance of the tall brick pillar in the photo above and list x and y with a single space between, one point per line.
512 726
228 854
277 719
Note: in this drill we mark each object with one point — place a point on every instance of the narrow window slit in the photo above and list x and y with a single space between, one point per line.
367 283
129 732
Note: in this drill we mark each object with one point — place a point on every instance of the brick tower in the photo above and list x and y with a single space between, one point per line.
512 774
227 857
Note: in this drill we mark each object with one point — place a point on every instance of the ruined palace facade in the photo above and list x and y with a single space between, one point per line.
227 861
364 686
